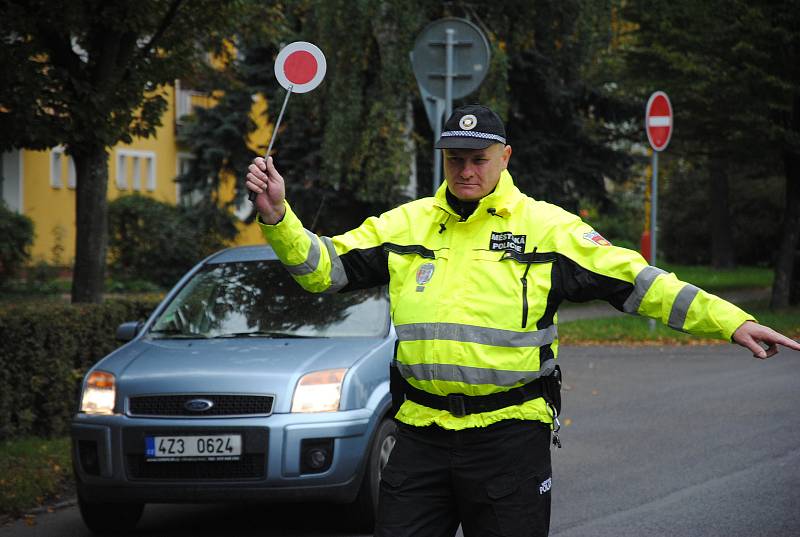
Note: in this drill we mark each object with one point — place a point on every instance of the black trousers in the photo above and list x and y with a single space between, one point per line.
494 481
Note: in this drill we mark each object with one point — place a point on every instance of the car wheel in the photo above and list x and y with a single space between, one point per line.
110 517
365 507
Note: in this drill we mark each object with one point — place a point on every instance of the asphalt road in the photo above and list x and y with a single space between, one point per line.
658 441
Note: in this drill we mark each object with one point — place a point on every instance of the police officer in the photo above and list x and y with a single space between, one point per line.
475 275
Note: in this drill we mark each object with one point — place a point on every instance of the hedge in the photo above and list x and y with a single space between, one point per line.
45 350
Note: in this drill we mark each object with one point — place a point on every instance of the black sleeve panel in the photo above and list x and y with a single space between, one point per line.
581 285
367 267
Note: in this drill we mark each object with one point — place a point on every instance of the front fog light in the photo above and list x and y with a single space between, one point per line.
99 393
319 391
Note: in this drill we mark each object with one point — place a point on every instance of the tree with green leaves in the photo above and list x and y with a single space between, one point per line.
348 148
90 74
568 122
345 147
732 70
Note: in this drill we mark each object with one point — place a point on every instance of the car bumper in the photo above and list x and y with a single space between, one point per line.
109 463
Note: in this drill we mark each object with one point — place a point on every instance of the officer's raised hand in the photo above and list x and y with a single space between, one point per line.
267 183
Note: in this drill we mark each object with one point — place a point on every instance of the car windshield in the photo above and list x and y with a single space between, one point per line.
260 299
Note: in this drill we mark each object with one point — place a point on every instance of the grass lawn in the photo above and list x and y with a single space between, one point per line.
712 279
628 330
32 472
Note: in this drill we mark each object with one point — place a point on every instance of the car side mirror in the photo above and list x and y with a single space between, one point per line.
127 331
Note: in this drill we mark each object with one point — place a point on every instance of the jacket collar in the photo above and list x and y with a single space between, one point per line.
503 199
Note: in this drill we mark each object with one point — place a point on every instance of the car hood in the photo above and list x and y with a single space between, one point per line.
253 366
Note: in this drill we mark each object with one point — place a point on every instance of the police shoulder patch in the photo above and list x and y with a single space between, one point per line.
596 238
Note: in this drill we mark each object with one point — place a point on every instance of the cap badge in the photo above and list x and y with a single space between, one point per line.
468 122
424 275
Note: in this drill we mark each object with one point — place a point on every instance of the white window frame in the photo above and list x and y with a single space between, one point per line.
136 173
183 101
151 173
56 154
13 172
57 157
122 171
182 198
143 170
72 174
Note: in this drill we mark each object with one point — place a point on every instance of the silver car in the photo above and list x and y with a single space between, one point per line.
240 386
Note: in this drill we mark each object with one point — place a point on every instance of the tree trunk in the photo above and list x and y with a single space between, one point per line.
91 217
722 254
790 229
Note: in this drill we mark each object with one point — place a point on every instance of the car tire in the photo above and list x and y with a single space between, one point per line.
363 511
109 518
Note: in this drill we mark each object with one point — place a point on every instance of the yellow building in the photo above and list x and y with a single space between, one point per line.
41 184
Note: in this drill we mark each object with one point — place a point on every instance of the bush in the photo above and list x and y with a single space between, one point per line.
16 237
45 350
621 222
154 241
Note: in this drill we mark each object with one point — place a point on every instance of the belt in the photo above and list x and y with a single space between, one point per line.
460 405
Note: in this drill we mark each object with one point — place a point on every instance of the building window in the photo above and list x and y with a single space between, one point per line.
55 167
122 172
150 164
137 173
11 179
72 176
192 197
58 161
184 101
142 168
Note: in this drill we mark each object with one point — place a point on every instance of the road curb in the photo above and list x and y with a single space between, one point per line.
69 502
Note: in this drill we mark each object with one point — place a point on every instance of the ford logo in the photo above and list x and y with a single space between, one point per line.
198 405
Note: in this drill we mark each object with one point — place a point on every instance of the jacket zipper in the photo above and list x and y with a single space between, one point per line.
524 280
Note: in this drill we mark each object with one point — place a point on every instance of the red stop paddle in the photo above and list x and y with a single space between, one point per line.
300 67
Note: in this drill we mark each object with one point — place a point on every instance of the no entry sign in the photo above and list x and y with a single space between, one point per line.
300 67
658 120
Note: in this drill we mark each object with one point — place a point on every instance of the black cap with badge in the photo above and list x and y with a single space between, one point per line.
472 127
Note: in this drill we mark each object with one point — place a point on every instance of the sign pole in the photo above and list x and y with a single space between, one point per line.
439 59
653 209
653 219
448 81
437 155
448 105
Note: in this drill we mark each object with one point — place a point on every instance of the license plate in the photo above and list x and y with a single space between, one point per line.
226 447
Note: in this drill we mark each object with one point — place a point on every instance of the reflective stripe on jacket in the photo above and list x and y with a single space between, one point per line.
474 302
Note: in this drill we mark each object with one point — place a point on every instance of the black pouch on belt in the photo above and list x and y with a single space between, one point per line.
551 389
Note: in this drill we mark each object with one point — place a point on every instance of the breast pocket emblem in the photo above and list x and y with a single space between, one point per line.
424 275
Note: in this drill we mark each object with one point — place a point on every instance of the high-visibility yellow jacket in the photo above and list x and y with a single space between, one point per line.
474 302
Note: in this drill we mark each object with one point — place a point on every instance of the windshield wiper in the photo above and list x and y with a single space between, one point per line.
263 333
174 333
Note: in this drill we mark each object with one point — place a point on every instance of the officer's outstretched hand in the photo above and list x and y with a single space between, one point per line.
267 183
753 335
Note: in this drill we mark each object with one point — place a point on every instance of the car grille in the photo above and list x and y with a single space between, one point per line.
250 466
224 405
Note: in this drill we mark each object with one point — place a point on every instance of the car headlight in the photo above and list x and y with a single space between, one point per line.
319 391
99 393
